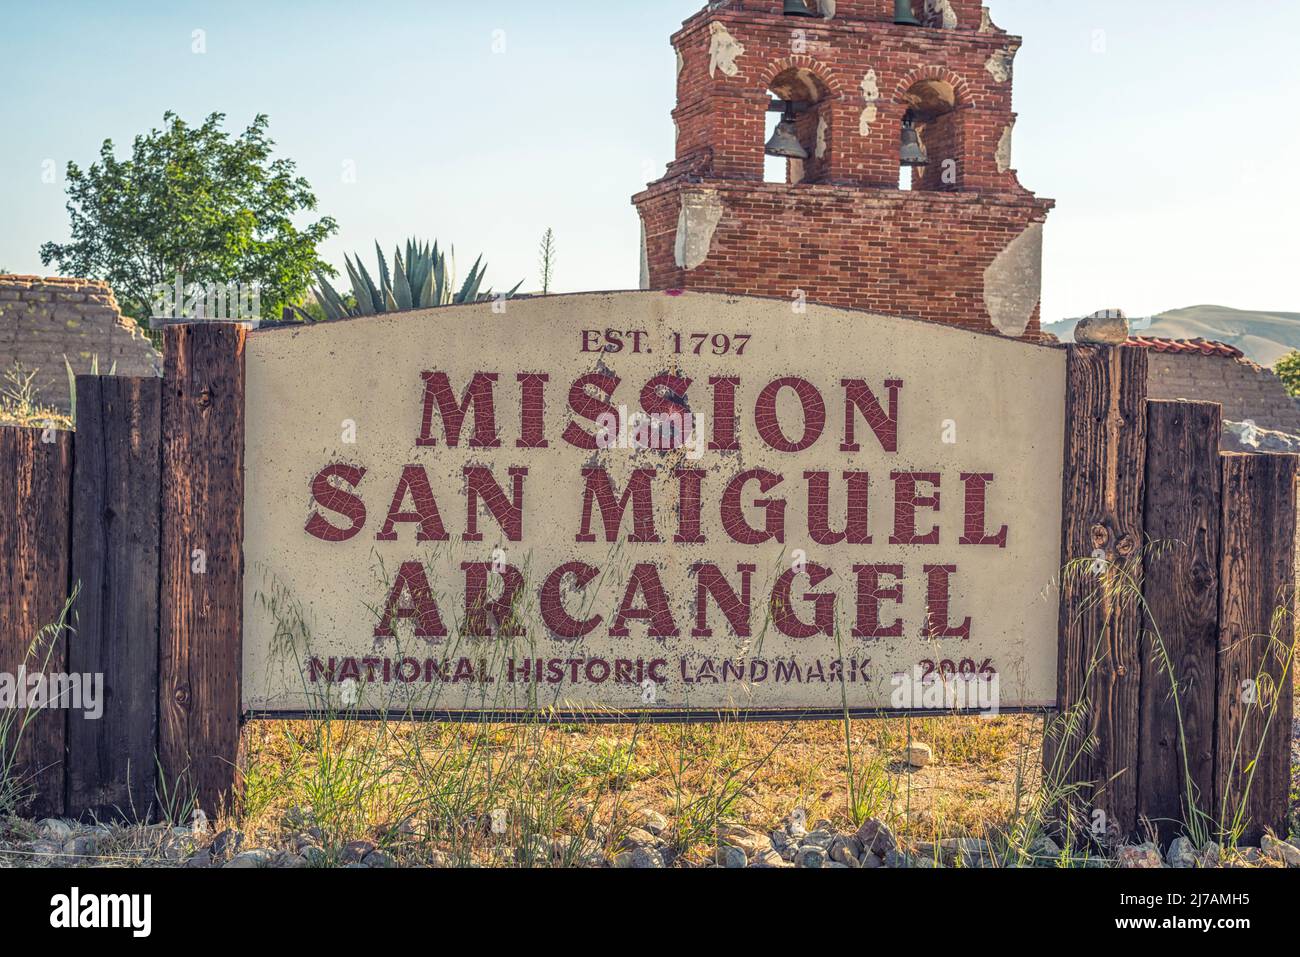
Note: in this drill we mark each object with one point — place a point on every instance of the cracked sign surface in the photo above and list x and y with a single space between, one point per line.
461 510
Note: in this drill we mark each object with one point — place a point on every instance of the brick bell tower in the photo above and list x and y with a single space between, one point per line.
878 94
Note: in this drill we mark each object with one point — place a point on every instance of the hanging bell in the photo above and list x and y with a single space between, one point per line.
911 151
797 8
903 13
785 141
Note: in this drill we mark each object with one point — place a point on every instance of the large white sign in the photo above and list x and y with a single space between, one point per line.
649 502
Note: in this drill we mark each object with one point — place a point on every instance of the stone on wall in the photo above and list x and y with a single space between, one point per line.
44 321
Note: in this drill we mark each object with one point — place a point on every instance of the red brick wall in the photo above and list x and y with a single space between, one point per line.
906 254
846 235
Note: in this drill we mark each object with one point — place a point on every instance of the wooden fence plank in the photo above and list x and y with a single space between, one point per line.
1099 661
202 562
35 478
1181 630
1256 643
112 761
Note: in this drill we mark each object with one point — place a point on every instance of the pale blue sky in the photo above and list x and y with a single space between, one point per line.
1167 138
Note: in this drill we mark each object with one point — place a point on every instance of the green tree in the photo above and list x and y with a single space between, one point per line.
1288 370
195 202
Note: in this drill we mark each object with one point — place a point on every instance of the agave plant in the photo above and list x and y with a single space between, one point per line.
423 278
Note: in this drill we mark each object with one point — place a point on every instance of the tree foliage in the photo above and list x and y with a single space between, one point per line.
197 202
1288 370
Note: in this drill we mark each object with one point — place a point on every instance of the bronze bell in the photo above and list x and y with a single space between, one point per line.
912 150
797 8
903 13
785 141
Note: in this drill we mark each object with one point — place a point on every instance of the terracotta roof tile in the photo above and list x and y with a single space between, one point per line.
1203 347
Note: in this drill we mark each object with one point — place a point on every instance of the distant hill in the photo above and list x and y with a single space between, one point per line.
1264 337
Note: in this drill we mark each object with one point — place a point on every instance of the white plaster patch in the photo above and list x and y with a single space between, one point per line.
696 224
943 7
828 9
1003 155
870 93
1000 64
724 51
820 149
645 258
986 21
681 63
1013 282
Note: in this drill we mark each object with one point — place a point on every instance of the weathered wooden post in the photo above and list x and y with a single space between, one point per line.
202 562
1180 633
1256 643
1099 660
35 477
112 760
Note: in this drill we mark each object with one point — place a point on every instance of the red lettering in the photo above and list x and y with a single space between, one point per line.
411 598
480 395
769 425
907 501
337 500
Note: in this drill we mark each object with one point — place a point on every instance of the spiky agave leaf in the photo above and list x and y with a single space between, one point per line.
330 301
364 293
469 291
401 287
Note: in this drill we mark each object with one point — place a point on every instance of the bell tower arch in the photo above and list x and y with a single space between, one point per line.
894 122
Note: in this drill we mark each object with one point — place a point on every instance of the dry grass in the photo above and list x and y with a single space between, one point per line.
21 406
362 781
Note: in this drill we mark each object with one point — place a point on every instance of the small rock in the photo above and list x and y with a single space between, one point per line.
652 821
1044 849
729 857
638 837
580 852
1210 856
869 861
354 852
437 859
1280 850
378 859
639 858
202 858
1141 857
846 850
810 856
226 844
291 861
746 838
54 829
1108 327
769 858
796 825
315 856
876 837
822 839
536 851
1182 853
82 847
257 857
919 755
966 851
